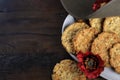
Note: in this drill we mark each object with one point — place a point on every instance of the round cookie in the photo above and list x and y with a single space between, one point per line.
67 70
112 24
115 57
96 23
102 44
69 33
83 40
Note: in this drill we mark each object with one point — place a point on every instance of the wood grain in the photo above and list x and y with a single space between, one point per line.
30 38
31 26
30 32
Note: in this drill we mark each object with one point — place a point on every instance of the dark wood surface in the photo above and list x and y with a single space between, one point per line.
30 33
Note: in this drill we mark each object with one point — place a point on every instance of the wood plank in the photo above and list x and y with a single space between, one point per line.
30 32
26 66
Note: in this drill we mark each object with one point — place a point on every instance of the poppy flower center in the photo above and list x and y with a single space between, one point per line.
90 63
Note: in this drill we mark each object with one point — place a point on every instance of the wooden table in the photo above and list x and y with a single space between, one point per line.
30 33
30 38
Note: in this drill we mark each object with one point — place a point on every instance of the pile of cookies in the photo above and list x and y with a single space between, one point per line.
99 35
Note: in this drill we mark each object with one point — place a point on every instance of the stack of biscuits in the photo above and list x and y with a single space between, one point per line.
100 36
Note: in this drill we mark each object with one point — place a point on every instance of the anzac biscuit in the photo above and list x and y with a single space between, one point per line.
69 33
83 40
115 57
102 44
96 23
112 24
67 70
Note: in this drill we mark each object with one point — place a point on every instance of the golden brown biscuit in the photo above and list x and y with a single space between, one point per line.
112 24
67 70
69 33
96 23
83 40
103 43
115 57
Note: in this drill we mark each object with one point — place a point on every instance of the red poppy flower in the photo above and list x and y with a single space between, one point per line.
91 65
97 4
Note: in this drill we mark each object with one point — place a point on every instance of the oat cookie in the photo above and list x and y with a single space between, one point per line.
115 57
96 23
69 33
103 43
83 40
67 70
112 24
